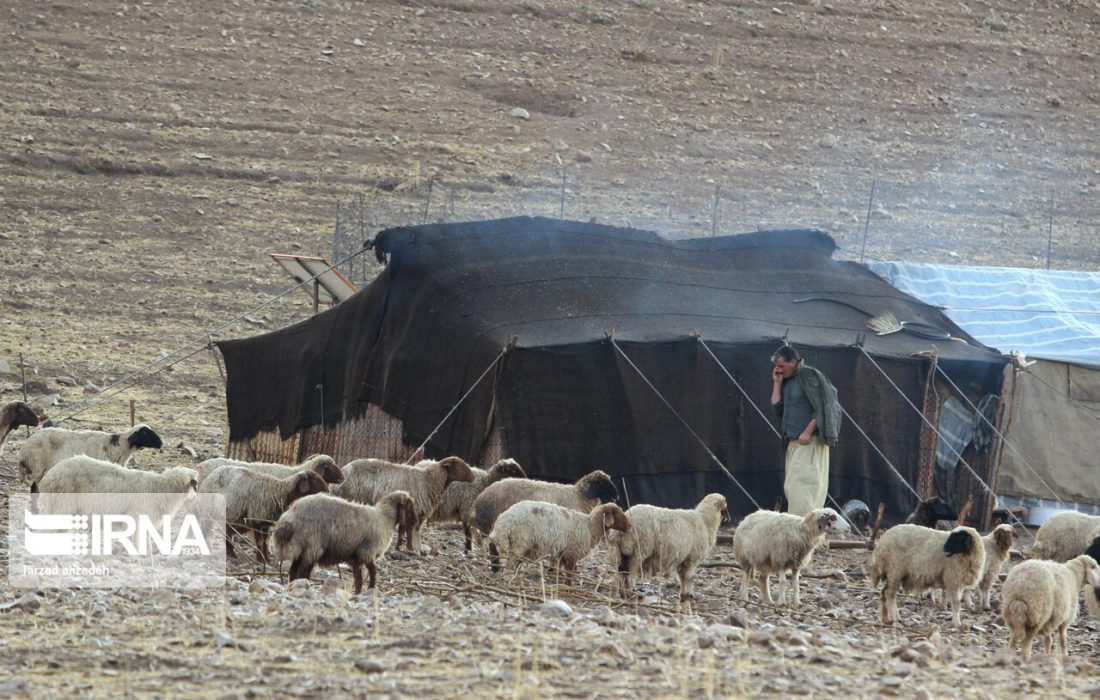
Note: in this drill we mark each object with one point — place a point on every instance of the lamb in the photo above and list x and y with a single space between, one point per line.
458 498
930 511
1040 598
45 448
1064 536
369 480
919 558
767 541
589 491
15 414
534 530
83 474
324 465
254 501
663 541
997 545
326 530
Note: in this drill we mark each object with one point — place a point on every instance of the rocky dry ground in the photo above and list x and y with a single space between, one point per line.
442 626
153 154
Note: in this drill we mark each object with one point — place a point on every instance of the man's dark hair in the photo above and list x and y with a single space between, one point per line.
788 354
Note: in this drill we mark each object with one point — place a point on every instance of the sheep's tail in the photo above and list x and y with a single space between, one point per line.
874 575
1039 550
1015 614
617 548
283 534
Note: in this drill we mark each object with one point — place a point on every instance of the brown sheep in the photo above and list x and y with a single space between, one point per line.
254 501
326 530
370 480
589 491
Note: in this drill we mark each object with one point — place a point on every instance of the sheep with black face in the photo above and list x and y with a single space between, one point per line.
917 559
930 511
15 414
47 447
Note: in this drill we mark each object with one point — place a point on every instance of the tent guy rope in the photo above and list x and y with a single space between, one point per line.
454 408
937 432
760 412
1000 435
684 422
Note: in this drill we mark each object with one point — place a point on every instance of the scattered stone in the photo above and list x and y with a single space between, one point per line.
28 602
615 650
1054 101
203 156
761 637
90 388
726 632
370 666
65 380
520 113
924 694
358 42
4 367
299 586
13 687
224 639
739 619
556 607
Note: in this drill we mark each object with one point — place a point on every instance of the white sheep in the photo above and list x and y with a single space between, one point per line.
326 530
254 501
1064 536
997 544
667 542
1040 598
324 465
83 475
917 558
48 446
458 498
1092 593
585 494
369 480
768 541
536 530
14 414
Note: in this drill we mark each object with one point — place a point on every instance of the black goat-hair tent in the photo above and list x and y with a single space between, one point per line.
453 296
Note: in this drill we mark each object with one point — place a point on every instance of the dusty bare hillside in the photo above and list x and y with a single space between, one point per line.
153 154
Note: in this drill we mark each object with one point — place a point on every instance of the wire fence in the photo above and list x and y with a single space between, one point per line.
938 218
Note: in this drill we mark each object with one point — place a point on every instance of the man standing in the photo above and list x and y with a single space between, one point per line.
805 401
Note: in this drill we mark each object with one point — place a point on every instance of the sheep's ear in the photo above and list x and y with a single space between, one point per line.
608 518
303 484
1093 576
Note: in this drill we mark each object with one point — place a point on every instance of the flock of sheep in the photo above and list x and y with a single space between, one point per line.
322 513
